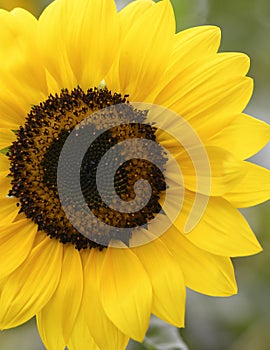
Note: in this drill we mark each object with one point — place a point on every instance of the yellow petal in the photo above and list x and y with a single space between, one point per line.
190 45
22 84
211 107
219 168
105 334
19 30
167 281
254 187
53 86
52 26
201 74
126 292
4 165
81 338
76 50
29 288
5 182
16 241
130 13
57 319
203 272
13 112
17 99
9 210
6 138
5 186
244 136
222 230
92 39
136 72
193 44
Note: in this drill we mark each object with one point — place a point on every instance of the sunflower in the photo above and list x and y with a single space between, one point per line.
91 286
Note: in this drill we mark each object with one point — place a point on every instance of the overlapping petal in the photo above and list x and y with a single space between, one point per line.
205 71
6 138
4 165
5 186
9 210
79 41
211 107
104 333
135 72
244 136
81 337
221 230
127 301
203 272
219 168
190 45
16 241
167 281
22 84
57 319
130 13
254 187
29 288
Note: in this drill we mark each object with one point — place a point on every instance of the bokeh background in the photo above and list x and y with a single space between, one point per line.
241 322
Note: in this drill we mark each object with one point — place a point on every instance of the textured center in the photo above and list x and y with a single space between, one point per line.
35 156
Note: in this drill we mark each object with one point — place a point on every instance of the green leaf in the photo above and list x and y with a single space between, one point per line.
160 336
4 150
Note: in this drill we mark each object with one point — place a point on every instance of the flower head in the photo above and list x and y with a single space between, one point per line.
93 257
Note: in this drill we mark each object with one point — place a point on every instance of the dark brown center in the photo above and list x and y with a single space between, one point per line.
34 158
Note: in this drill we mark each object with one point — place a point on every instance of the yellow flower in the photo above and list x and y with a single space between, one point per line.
91 294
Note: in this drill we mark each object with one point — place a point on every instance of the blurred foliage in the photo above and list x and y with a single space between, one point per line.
246 28
34 6
242 321
160 336
25 337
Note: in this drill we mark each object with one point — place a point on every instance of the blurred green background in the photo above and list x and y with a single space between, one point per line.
240 322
